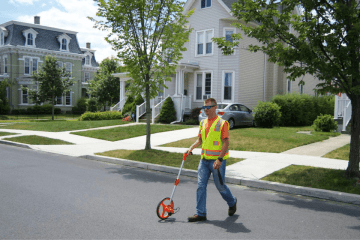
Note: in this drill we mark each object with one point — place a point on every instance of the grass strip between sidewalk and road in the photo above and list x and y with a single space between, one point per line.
274 140
37 140
340 153
120 133
61 125
321 178
6 134
161 157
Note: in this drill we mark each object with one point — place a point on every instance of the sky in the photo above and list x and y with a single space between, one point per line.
64 14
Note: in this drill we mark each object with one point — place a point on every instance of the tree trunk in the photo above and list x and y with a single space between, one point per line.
52 108
148 114
353 167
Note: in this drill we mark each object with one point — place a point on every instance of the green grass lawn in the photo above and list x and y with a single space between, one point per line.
340 153
273 140
37 140
321 178
160 157
120 133
6 133
61 125
19 118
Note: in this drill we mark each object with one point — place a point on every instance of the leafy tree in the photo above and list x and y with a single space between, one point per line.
147 35
105 87
324 42
52 81
4 102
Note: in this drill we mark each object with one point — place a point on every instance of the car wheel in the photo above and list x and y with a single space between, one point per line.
231 123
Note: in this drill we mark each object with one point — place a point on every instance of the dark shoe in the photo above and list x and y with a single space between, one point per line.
232 209
196 218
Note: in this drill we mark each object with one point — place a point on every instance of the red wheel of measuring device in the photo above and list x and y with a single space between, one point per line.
165 208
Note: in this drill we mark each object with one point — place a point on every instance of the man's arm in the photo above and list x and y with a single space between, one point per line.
197 143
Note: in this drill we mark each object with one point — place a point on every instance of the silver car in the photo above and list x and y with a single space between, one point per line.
235 113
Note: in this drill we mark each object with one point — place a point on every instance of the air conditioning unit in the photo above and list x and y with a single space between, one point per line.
206 97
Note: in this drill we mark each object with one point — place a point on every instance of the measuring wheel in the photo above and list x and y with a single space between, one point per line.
165 209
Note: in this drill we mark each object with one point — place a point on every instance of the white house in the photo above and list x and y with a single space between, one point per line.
205 72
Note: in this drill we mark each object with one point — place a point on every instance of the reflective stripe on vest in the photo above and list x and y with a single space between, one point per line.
212 144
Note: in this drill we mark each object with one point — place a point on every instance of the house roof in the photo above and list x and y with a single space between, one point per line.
225 3
45 39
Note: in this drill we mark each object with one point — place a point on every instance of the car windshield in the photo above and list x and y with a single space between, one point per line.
222 106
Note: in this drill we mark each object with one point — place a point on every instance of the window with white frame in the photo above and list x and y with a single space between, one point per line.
30 36
64 41
204 42
302 90
203 85
68 68
228 82
288 86
87 60
30 65
2 40
58 100
227 34
205 3
87 77
5 71
27 66
60 65
68 98
24 95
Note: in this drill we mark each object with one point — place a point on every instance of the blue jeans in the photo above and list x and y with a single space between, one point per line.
204 170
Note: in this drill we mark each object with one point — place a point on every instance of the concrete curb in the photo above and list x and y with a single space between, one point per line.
279 187
23 145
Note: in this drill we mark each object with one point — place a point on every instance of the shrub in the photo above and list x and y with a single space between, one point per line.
191 121
80 107
168 112
325 123
92 105
267 114
302 110
128 105
108 115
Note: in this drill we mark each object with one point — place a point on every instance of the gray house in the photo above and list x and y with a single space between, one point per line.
23 47
205 72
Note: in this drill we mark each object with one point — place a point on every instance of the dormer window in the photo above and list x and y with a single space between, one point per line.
64 41
3 35
30 36
87 60
64 44
30 39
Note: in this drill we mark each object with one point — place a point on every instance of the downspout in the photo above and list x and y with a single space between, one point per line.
264 77
181 114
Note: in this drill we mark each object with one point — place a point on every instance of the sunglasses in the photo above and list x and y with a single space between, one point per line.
208 107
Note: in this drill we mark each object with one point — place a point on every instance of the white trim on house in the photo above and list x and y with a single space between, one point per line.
204 32
232 86
63 44
189 3
203 77
224 35
27 33
31 67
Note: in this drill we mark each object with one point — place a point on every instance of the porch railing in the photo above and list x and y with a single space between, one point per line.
347 115
140 110
119 105
156 109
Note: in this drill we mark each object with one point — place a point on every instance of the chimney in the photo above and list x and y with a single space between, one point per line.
88 45
36 20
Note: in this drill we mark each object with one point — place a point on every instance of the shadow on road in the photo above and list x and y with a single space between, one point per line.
229 224
314 204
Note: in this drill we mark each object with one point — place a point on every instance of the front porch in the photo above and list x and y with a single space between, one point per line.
177 92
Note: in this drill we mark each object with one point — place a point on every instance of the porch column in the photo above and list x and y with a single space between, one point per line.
122 90
176 82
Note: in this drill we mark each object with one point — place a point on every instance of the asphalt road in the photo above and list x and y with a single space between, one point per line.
49 196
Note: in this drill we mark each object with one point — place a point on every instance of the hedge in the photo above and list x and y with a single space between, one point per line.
108 115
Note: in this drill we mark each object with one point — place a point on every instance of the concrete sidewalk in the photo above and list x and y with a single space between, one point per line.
255 166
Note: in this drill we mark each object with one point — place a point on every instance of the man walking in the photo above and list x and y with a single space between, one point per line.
214 137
